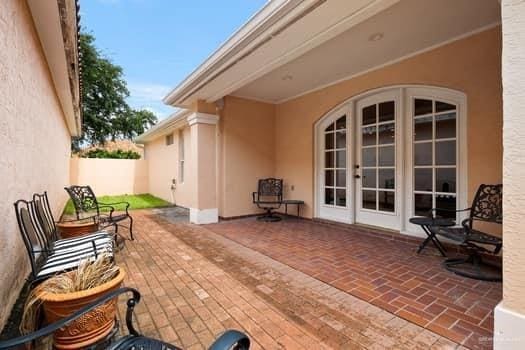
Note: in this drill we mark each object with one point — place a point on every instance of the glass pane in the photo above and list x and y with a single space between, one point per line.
369 136
422 106
369 199
341 123
329 196
369 178
330 127
340 198
423 129
423 180
387 111
369 156
340 159
446 180
442 107
328 177
423 153
340 179
369 115
387 133
446 126
387 156
446 202
387 201
329 141
446 153
422 204
329 159
340 139
387 178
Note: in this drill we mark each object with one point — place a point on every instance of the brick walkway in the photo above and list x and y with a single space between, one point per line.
383 272
195 284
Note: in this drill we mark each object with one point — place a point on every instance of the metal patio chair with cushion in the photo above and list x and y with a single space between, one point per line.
47 254
231 339
86 203
269 197
487 207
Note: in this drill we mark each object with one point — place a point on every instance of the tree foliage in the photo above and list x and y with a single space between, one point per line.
106 114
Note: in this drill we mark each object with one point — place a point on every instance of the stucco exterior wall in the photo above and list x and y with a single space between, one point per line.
110 176
35 140
163 166
514 156
247 137
471 65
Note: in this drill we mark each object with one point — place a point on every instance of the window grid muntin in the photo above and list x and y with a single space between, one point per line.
332 130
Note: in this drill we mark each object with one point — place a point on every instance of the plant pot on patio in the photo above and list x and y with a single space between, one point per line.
91 327
76 228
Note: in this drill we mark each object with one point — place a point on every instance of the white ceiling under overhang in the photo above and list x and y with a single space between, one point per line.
408 27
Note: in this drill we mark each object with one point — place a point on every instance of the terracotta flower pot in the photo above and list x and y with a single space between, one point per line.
75 229
89 328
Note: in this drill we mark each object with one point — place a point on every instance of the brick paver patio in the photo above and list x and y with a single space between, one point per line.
384 272
195 284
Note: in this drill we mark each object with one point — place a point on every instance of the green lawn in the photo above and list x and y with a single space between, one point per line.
136 201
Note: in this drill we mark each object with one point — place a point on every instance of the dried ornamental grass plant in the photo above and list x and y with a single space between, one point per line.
89 274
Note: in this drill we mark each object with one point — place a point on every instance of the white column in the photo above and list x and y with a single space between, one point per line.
509 315
203 134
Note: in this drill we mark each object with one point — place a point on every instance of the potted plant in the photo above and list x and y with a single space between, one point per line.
64 294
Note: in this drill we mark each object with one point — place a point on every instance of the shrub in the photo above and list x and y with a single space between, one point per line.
117 154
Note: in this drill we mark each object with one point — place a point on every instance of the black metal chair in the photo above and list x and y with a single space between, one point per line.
269 197
47 254
231 339
85 202
487 207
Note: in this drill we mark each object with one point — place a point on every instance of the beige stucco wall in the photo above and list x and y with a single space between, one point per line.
110 176
514 158
163 166
35 147
471 65
247 137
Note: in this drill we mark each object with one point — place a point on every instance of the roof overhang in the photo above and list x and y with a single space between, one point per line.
280 32
175 121
56 23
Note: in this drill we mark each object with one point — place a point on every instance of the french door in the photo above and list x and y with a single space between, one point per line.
387 156
378 166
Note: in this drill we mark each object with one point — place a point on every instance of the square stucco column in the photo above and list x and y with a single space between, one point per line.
509 315
203 135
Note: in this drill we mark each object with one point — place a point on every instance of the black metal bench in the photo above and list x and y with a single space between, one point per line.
230 339
487 207
269 197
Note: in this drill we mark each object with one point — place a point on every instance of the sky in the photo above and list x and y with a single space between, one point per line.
159 42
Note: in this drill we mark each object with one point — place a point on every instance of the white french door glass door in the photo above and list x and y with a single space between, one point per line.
334 158
378 161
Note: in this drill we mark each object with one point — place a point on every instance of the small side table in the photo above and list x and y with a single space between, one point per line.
426 223
297 202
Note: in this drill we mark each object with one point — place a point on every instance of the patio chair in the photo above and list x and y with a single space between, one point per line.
47 254
269 197
231 339
486 207
85 202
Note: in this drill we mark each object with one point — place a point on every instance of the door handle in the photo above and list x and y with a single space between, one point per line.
357 176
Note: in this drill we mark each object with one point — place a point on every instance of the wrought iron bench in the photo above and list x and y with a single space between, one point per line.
49 255
269 197
85 202
486 207
231 339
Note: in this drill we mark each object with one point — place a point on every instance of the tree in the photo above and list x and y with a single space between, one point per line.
105 111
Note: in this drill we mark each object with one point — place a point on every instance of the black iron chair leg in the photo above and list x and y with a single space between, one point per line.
474 267
131 228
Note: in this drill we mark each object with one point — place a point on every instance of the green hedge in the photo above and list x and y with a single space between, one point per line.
118 154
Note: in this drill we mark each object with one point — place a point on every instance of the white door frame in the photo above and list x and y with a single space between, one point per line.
405 146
